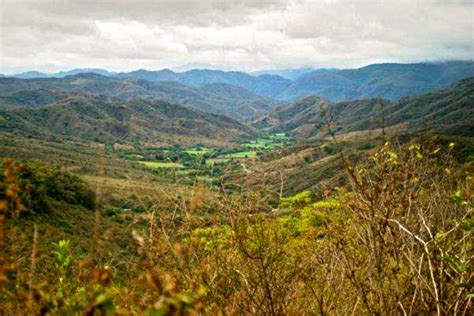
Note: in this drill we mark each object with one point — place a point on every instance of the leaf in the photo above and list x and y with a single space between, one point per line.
461 268
456 197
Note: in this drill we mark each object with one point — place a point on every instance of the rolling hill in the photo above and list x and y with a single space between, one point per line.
224 99
449 110
111 120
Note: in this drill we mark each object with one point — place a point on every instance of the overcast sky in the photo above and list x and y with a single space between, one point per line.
237 34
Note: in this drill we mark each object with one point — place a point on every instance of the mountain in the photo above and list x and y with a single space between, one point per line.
30 75
36 74
104 119
390 81
265 85
32 98
242 104
291 74
72 72
159 75
235 102
448 110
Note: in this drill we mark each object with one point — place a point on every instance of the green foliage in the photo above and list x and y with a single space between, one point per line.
297 201
215 236
39 186
307 216
61 254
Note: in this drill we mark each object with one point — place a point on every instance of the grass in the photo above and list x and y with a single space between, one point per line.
159 164
260 143
269 142
198 151
241 154
214 161
205 179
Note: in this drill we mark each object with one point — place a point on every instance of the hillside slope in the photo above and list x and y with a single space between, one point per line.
448 110
390 81
137 121
228 100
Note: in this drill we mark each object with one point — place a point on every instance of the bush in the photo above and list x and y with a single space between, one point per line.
39 186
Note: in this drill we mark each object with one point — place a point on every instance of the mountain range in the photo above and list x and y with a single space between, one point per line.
212 107
224 99
390 80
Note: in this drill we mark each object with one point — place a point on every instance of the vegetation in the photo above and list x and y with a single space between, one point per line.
442 111
222 99
158 164
116 205
394 240
389 80
141 122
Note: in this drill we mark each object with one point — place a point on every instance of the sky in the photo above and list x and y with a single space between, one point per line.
245 35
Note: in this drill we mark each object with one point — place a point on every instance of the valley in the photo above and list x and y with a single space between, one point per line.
218 157
201 192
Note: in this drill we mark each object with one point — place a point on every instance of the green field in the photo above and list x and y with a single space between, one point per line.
199 151
214 161
260 143
241 154
159 164
269 142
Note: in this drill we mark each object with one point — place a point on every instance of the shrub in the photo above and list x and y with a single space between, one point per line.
39 186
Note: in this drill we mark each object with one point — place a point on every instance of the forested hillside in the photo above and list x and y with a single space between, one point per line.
448 110
389 81
103 119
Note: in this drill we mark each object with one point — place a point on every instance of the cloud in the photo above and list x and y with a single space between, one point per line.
245 35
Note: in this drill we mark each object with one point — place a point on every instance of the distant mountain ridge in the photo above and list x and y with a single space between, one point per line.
292 74
265 85
391 81
61 74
